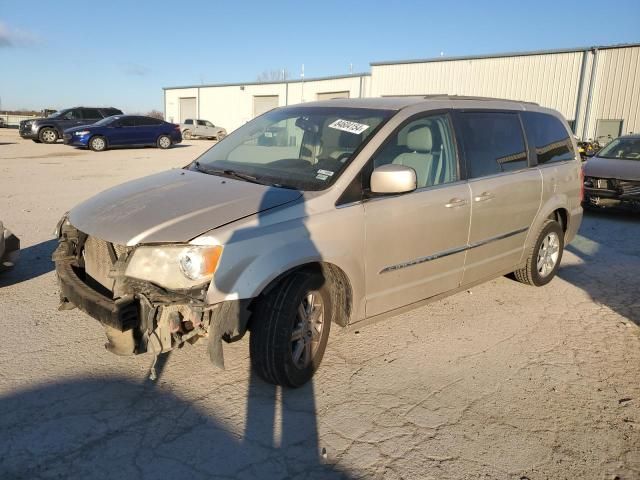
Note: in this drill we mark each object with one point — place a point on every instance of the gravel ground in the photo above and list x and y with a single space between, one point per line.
504 381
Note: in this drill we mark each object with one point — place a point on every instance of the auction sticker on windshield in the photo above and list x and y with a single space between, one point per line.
347 126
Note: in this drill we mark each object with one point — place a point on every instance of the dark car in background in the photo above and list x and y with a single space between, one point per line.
612 176
51 128
124 131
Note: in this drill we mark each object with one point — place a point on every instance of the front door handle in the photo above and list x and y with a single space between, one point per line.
456 202
484 196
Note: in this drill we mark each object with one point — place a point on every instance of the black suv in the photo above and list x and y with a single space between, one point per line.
50 129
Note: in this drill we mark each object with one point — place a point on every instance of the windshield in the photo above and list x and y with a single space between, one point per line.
298 147
622 148
106 121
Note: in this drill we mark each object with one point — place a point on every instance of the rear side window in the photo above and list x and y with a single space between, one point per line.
549 137
147 121
90 113
492 142
107 112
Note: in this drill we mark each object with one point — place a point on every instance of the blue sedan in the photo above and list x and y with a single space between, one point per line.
124 130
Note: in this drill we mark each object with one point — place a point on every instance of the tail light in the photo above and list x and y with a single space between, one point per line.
176 128
581 183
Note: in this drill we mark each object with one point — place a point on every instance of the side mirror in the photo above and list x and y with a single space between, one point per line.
393 178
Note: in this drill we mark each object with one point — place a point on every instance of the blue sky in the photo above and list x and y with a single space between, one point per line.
121 53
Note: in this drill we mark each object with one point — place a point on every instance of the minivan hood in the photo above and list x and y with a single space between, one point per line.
172 206
612 168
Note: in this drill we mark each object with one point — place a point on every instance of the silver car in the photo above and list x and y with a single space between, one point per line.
612 176
370 207
201 129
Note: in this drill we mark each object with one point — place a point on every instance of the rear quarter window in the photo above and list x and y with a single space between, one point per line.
549 138
493 142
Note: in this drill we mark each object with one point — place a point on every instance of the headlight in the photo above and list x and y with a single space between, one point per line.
57 233
82 132
176 267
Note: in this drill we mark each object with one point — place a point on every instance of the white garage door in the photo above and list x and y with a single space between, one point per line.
188 108
330 95
264 103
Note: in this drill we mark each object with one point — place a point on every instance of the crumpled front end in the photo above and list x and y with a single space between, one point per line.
138 315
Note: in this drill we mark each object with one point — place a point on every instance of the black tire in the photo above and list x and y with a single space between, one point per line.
98 143
271 342
164 142
187 134
48 135
531 273
36 140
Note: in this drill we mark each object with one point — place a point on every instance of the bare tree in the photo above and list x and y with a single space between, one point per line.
273 75
155 114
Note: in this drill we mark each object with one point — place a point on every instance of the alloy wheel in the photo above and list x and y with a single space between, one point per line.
307 332
548 254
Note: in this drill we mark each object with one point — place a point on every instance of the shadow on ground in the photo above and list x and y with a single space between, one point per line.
609 244
106 428
33 262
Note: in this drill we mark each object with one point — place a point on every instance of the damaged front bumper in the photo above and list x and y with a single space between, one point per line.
139 316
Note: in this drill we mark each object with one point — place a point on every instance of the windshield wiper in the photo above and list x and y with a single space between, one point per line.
229 173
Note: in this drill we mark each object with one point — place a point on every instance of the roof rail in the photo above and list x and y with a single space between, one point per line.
466 97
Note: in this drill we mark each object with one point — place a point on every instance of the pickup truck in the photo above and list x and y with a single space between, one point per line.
201 128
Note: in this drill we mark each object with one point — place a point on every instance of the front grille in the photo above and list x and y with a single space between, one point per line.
97 260
24 128
629 187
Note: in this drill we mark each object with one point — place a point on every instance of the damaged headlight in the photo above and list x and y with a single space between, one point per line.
176 267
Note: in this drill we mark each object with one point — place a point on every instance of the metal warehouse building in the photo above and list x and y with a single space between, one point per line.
597 88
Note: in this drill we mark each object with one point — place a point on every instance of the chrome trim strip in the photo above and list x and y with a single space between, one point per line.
446 253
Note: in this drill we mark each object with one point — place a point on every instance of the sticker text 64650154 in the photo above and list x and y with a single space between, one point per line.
349 126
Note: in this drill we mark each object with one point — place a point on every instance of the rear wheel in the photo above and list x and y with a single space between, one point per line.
544 257
98 144
163 142
290 329
187 135
48 135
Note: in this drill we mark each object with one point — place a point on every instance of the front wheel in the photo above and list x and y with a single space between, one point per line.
544 258
290 329
164 142
48 135
187 135
98 144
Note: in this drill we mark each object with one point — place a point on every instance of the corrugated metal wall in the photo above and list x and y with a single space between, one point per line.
616 91
550 79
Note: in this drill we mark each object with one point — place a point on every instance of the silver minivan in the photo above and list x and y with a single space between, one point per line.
356 210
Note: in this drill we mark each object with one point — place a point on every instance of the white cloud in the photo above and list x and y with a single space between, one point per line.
14 37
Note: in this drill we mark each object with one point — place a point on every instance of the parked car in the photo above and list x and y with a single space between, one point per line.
374 206
612 176
201 128
124 131
2 123
51 128
9 248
